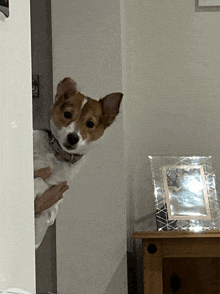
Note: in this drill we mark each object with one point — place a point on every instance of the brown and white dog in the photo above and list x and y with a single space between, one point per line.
76 122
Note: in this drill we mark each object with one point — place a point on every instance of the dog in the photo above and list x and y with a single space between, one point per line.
77 121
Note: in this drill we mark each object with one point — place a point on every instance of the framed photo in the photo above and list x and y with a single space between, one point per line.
4 7
205 3
185 193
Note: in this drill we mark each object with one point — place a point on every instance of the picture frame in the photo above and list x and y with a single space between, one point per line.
4 7
185 193
208 3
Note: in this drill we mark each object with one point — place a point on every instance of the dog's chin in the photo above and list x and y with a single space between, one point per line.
76 149
70 149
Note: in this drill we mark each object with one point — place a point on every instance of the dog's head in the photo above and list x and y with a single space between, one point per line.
78 120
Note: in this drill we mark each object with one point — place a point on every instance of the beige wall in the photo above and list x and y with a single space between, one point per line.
91 226
171 74
17 264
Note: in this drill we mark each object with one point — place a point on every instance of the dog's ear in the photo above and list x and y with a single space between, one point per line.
110 107
66 86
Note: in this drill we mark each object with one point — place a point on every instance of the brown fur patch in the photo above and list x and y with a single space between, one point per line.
100 113
73 105
92 111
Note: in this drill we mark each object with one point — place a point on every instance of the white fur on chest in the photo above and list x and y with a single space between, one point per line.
61 171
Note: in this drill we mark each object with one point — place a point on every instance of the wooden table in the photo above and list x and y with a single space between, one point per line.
161 245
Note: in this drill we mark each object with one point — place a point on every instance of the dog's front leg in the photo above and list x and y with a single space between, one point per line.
43 173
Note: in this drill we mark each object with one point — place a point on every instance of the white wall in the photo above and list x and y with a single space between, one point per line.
17 264
171 73
91 226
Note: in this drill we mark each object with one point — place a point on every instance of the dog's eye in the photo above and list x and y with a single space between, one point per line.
90 124
67 114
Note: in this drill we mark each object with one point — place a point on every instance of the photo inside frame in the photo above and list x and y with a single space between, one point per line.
186 192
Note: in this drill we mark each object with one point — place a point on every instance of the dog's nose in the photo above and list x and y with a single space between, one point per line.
73 139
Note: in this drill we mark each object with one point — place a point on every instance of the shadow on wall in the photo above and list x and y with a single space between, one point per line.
117 284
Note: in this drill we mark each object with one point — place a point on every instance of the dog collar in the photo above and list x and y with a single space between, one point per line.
59 153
